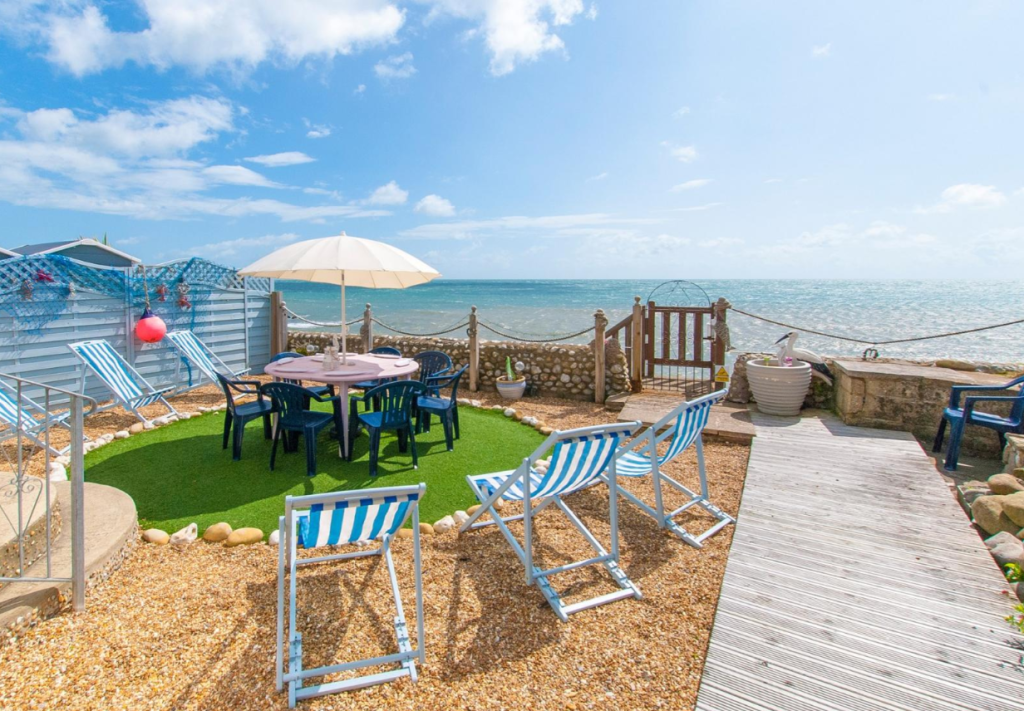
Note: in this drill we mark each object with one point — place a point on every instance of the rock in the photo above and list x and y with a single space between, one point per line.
1005 484
121 434
136 428
473 509
1001 537
565 378
185 535
1013 508
955 364
243 536
158 421
184 416
274 538
56 472
155 535
444 525
426 529
529 420
475 403
988 514
148 426
107 438
403 533
460 517
518 416
217 532
509 412
1006 553
546 430
1019 472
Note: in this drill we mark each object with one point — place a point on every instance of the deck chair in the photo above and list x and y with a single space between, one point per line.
581 456
684 426
339 518
194 352
25 418
130 390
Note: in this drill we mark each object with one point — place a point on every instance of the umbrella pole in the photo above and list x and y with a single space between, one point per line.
344 345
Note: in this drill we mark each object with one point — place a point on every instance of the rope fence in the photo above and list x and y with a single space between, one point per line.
512 337
325 324
420 335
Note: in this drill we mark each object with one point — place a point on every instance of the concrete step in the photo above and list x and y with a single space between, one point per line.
728 421
111 526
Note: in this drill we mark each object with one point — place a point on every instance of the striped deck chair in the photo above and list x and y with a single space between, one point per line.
339 518
194 352
579 460
684 426
130 390
26 418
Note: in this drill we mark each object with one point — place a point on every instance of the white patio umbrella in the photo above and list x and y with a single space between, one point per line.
345 261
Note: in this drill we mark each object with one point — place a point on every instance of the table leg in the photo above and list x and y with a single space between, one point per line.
343 443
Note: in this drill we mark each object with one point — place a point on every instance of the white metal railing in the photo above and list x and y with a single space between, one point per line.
27 451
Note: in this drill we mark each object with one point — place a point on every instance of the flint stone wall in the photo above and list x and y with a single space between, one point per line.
552 369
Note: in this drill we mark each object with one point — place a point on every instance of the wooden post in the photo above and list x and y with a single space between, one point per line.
278 324
720 337
600 324
636 361
366 332
474 352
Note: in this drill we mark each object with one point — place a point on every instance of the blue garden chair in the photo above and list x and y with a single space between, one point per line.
959 417
684 426
130 390
291 404
239 414
447 409
433 364
339 518
393 413
580 458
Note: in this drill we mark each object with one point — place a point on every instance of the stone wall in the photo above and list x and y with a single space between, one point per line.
552 369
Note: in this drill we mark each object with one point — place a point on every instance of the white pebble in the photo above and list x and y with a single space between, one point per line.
274 538
460 517
121 434
56 472
185 535
509 412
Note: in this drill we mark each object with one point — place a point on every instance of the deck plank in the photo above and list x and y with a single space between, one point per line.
895 604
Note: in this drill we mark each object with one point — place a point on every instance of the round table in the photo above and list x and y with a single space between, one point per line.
360 367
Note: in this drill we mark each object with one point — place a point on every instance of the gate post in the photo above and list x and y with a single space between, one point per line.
366 331
278 324
600 324
636 360
474 352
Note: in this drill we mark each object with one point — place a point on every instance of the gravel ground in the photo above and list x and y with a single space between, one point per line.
194 628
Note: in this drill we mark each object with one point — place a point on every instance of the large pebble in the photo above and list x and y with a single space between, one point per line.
121 434
1001 537
1005 484
243 536
56 472
185 535
403 533
217 532
988 514
1013 507
426 529
274 538
136 428
444 525
473 509
1006 553
460 517
155 535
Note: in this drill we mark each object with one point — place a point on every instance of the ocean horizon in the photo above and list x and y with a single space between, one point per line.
873 310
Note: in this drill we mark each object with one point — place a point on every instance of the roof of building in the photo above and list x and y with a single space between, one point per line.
58 247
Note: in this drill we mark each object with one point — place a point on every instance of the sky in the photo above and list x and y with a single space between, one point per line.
525 138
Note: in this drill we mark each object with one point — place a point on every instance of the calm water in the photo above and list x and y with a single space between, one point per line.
865 309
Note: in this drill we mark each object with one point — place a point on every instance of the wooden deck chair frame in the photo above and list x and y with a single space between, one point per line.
192 354
22 416
149 395
688 421
296 507
537 493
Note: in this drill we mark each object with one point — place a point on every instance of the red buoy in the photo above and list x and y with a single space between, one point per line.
150 328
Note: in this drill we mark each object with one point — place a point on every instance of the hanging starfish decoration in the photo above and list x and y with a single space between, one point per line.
70 290
44 276
183 300
161 293
26 290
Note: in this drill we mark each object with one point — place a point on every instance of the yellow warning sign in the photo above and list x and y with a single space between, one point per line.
721 376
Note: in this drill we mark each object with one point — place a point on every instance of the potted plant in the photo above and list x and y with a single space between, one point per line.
779 388
512 384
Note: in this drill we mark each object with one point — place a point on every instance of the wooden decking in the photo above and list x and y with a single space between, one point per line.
856 583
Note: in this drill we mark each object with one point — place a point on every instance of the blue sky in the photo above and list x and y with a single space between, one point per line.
525 138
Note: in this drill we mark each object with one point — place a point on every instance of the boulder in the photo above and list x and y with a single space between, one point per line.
185 535
136 428
243 536
987 512
444 525
1013 508
217 533
1000 538
274 538
155 535
56 472
403 533
426 529
460 517
1006 553
1005 484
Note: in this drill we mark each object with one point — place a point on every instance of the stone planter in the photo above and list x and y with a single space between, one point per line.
779 390
511 390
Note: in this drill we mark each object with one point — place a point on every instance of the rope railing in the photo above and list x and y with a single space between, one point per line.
419 335
326 324
510 336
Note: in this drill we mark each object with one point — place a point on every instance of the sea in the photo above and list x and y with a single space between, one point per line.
538 309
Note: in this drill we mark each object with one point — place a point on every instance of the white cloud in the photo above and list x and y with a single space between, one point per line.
572 225
595 178
720 242
771 181
359 89
388 194
691 185
278 160
399 66
683 154
941 97
231 247
198 34
823 50
435 206
316 130
681 112
698 208
969 195
237 175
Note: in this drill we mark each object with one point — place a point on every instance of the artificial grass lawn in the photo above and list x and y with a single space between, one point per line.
178 473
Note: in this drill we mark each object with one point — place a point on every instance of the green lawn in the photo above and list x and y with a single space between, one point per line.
179 473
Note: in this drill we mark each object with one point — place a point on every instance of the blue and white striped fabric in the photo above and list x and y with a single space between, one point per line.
354 520
193 349
111 368
9 412
575 464
692 419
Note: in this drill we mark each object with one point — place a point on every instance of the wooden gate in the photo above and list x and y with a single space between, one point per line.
679 349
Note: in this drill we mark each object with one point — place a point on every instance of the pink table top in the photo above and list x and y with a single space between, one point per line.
360 367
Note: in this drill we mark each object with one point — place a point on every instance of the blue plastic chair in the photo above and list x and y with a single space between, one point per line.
433 364
393 413
241 414
290 405
320 390
959 417
447 409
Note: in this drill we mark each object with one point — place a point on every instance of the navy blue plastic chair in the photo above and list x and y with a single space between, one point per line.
394 413
320 390
432 365
368 384
447 409
959 417
240 414
294 418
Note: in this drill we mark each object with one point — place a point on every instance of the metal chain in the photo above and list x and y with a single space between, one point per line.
878 343
332 324
535 340
420 335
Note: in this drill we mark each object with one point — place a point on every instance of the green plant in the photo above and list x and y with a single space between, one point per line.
1016 620
1013 573
512 374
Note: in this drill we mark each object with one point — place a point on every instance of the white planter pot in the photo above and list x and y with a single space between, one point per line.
779 390
513 390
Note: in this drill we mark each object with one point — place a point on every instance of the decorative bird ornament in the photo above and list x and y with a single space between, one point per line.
817 363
